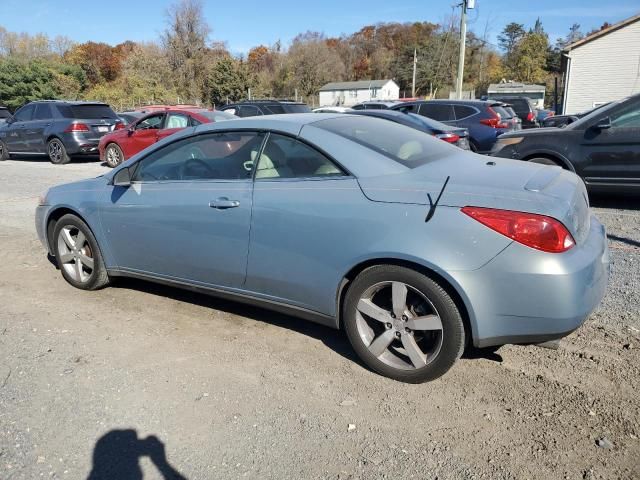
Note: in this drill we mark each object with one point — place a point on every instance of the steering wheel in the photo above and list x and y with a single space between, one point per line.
197 161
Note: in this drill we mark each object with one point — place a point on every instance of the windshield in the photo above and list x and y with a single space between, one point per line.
577 125
88 111
405 145
4 113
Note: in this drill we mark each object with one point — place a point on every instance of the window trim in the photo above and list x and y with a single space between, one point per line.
338 165
468 116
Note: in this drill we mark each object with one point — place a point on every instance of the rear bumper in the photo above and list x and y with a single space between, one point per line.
527 296
80 144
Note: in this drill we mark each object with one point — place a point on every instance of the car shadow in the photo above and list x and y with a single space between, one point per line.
45 159
628 241
618 202
334 339
116 456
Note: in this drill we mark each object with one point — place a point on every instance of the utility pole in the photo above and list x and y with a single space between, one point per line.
415 62
466 4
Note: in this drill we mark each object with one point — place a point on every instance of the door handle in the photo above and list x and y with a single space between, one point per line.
222 203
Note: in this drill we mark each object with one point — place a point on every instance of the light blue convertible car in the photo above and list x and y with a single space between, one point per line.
414 247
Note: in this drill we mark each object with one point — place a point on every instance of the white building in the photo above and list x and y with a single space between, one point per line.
602 67
502 90
349 93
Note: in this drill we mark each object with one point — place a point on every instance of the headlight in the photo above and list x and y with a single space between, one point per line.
510 141
42 199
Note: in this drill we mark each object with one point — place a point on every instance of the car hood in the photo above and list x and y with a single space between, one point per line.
491 183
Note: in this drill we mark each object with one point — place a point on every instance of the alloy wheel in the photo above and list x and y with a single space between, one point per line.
74 254
55 151
113 156
399 325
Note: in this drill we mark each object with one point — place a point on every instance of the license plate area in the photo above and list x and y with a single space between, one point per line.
102 129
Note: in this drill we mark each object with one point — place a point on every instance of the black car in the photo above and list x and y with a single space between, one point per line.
564 120
485 120
602 147
252 108
58 129
454 135
523 108
130 116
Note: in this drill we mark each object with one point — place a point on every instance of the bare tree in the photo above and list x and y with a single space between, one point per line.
185 40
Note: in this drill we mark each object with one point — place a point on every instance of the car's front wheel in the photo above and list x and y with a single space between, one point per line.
545 161
113 155
402 324
57 152
78 254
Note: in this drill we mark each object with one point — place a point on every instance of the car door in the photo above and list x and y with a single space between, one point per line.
15 137
173 122
301 202
143 133
186 214
34 132
611 146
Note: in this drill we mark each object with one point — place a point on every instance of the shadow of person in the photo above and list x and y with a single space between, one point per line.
116 455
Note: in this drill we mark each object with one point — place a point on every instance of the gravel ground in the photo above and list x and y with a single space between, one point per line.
142 381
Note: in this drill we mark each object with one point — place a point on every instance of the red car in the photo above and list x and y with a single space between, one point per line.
124 143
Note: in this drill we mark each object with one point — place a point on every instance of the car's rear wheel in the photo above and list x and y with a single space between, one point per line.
113 155
545 161
4 151
402 324
57 152
78 254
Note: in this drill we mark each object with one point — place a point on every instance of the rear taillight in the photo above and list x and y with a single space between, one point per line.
530 117
119 126
448 137
77 127
495 121
535 231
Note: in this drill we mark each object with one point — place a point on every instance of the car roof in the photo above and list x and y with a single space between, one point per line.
290 123
70 102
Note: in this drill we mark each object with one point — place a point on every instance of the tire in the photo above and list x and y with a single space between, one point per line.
437 349
472 146
545 161
113 155
70 249
4 152
57 152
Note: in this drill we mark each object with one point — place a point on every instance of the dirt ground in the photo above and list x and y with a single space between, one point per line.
142 381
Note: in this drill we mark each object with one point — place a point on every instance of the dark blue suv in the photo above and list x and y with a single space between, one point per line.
485 120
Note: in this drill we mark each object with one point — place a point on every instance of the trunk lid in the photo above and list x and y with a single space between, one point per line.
489 182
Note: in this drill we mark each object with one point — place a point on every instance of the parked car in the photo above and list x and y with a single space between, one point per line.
563 120
252 108
454 135
374 105
129 117
147 130
483 119
509 116
4 115
602 147
523 108
411 245
57 128
332 109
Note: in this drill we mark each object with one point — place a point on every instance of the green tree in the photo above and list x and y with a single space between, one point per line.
228 80
529 58
22 82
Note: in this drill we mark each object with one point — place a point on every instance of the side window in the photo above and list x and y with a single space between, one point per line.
248 111
151 123
43 112
358 107
373 106
25 113
437 111
286 157
408 108
214 156
177 120
463 111
627 117
232 110
194 122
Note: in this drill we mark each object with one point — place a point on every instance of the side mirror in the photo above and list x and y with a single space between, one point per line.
603 124
122 178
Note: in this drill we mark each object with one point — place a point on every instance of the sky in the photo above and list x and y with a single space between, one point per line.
243 24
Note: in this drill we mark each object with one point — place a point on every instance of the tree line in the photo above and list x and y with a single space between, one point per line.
184 65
